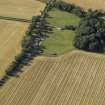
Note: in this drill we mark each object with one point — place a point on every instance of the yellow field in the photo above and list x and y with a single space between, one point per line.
12 32
11 35
77 78
20 8
87 4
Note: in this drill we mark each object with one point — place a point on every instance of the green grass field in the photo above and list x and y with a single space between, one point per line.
60 41
58 17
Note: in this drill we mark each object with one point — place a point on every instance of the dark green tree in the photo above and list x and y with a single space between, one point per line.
90 34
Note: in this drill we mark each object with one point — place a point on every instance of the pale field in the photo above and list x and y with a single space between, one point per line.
12 32
11 35
20 8
87 4
77 78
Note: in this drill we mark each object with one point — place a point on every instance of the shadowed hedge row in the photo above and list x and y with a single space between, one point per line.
71 8
31 44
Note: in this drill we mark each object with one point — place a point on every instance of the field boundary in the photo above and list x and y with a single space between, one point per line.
15 19
91 54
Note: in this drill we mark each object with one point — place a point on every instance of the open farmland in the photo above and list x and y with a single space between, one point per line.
87 4
20 8
77 78
11 35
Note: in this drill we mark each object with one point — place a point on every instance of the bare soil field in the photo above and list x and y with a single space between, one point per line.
20 8
87 4
77 78
11 35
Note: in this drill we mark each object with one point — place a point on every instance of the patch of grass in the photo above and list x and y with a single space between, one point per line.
58 17
10 42
60 41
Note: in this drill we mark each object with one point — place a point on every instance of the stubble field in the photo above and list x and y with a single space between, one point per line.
77 78
11 35
20 8
12 32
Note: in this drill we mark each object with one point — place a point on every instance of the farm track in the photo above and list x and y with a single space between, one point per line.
15 19
77 78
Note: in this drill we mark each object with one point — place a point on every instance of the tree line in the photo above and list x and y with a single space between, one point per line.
71 8
31 44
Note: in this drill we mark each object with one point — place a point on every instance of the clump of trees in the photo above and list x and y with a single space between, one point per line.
31 44
90 34
71 8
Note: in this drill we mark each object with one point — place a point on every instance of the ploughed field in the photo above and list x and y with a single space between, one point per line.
77 78
87 4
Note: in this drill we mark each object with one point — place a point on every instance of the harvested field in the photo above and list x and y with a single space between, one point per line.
87 4
77 78
11 35
12 32
20 8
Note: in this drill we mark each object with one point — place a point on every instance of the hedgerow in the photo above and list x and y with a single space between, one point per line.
31 44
